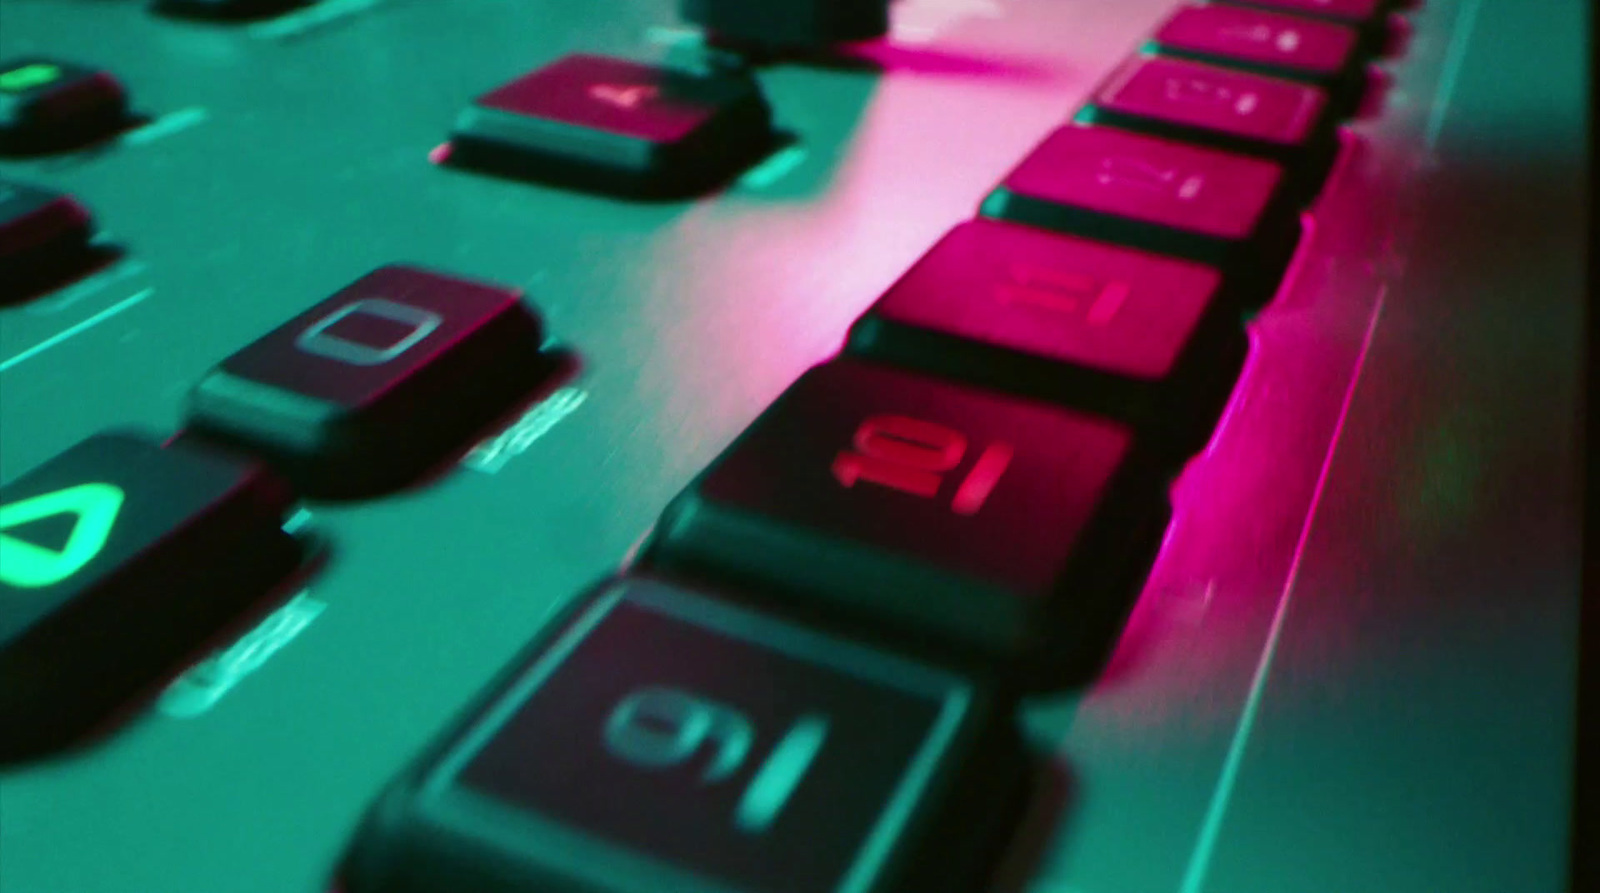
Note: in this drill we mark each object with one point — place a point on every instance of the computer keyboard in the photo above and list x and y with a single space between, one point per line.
557 468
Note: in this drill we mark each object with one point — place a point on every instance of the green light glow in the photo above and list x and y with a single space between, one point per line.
26 565
29 76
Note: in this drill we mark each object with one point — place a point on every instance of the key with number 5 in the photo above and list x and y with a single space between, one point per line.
659 740
925 511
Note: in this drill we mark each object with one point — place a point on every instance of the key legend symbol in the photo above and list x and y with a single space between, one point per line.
1194 90
36 74
28 565
1063 292
627 97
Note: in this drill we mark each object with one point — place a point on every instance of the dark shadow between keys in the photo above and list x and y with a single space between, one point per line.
413 452
249 11
92 137
715 172
58 271
1042 818
1076 640
65 736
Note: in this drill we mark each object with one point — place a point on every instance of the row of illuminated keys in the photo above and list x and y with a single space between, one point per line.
979 481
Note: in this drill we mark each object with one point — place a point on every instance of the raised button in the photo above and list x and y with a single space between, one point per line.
42 234
613 125
47 104
1319 52
1149 340
118 560
1368 17
1220 208
925 510
803 24
224 9
658 740
374 385
1286 121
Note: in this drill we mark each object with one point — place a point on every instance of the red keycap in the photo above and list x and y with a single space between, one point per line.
1165 196
1285 121
1146 339
1252 35
1216 99
1325 53
1350 10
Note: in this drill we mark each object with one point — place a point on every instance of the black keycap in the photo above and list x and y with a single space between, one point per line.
658 740
804 24
1223 209
48 104
119 559
1149 340
617 126
42 233
928 512
1286 121
373 386
224 9
1318 52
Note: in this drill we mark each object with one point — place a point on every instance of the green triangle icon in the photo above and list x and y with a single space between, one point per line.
27 565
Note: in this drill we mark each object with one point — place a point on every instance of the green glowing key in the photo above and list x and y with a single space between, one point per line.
93 509
660 740
26 77
119 558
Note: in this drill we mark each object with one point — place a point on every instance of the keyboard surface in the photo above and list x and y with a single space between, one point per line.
1351 667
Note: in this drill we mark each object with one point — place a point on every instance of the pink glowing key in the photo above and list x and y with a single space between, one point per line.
1348 10
1054 297
1231 102
1164 182
1144 339
1252 35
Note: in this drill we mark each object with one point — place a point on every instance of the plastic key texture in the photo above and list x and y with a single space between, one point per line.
40 232
789 23
930 513
374 385
617 126
47 104
658 739
1286 121
1149 340
1319 52
118 559
1224 209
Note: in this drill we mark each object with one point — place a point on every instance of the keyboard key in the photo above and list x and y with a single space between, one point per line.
119 559
42 233
1295 47
922 510
661 741
1368 17
1148 340
1342 10
225 9
1219 208
617 126
47 104
1286 121
374 385
802 24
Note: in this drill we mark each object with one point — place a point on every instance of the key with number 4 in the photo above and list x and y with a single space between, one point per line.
658 740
